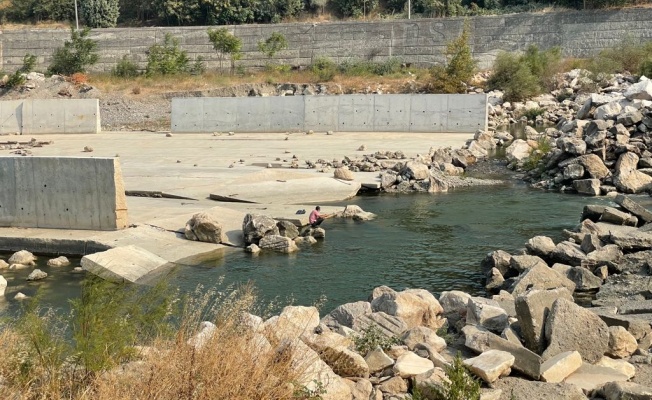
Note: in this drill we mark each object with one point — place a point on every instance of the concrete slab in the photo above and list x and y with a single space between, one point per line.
123 264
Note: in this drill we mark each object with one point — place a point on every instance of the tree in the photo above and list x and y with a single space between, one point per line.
167 59
225 43
100 13
459 65
273 44
354 8
76 55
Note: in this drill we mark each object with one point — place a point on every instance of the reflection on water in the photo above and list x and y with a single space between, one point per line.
430 241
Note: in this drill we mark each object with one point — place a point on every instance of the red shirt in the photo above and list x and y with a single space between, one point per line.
314 215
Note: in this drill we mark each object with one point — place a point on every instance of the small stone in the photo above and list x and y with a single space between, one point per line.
252 248
20 296
88 149
168 134
362 148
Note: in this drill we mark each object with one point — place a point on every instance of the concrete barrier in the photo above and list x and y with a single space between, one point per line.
62 192
36 116
346 113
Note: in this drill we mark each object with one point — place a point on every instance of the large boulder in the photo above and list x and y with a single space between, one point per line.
422 335
204 228
256 227
389 325
287 229
571 145
293 322
639 91
518 151
519 388
571 327
416 170
410 364
540 246
345 314
532 309
589 187
22 257
525 262
621 343
626 390
540 277
344 174
278 243
417 307
491 365
486 313
633 207
454 302
568 253
627 178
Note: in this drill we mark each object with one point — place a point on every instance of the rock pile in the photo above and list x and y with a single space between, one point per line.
600 143
530 338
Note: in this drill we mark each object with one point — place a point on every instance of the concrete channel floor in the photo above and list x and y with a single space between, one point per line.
194 166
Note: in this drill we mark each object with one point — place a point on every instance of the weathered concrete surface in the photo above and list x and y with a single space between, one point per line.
348 113
128 263
62 193
45 116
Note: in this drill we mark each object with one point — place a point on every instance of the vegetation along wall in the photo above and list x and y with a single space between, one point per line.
419 42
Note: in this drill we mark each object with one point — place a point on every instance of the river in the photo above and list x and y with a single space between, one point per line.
430 241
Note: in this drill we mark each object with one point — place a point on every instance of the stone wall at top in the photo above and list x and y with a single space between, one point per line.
417 41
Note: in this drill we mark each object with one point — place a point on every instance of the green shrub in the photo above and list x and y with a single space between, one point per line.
459 66
167 59
532 113
324 68
126 68
100 13
390 66
544 146
628 56
273 44
513 75
372 337
17 78
646 68
354 8
461 385
76 55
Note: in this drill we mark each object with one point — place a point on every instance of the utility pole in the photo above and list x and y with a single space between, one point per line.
409 8
76 17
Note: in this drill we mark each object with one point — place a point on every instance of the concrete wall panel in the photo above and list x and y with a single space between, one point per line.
321 112
391 114
62 193
11 116
36 116
353 113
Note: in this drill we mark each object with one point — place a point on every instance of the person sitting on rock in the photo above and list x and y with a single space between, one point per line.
315 218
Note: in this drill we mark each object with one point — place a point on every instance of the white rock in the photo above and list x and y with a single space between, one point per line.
206 331
589 377
23 257
377 360
491 365
621 366
621 343
518 151
560 366
37 275
20 296
292 323
3 264
410 364
59 262
3 285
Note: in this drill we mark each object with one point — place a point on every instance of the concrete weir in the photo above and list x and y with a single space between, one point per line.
345 113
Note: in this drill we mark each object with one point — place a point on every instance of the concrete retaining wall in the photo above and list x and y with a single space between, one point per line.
346 113
62 192
417 41
36 116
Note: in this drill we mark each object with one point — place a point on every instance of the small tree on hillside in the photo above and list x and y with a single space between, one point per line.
225 43
459 66
76 55
100 13
273 44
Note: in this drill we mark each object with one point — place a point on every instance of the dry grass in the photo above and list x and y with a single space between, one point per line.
235 363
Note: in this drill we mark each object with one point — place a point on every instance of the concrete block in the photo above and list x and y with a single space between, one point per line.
123 264
58 116
62 192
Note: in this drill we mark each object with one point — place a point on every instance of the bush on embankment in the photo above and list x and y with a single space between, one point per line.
92 353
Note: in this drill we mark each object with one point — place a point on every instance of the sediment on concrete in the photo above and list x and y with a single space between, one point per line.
62 193
50 116
348 113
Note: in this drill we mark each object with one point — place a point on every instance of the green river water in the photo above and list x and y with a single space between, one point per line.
430 241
